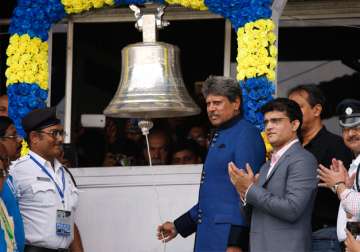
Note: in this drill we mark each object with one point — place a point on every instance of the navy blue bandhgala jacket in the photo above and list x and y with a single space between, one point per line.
219 203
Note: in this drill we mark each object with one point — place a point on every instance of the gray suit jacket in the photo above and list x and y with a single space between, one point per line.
283 202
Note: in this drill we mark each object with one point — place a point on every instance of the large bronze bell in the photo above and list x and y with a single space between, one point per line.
151 84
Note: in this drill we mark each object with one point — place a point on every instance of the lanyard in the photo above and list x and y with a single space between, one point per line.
357 179
61 192
11 185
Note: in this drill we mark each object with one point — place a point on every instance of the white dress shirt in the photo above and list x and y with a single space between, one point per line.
277 155
39 200
342 219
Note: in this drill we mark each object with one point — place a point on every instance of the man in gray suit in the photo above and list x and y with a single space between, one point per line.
282 195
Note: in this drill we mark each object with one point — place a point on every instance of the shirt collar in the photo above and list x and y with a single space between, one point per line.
230 123
46 163
356 161
281 152
318 137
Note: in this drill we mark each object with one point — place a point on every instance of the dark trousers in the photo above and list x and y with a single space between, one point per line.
29 248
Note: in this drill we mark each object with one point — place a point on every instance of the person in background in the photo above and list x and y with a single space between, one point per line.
47 195
160 147
325 146
345 184
216 218
198 133
120 150
176 127
11 232
186 152
12 144
4 105
132 131
91 147
9 137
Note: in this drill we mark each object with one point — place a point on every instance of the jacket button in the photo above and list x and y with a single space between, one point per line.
199 221
200 211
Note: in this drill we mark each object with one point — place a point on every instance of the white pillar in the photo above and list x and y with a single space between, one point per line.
277 9
68 84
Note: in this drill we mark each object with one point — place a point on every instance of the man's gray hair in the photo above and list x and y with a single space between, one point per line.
223 86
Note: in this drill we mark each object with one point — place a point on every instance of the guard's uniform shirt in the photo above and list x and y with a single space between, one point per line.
39 200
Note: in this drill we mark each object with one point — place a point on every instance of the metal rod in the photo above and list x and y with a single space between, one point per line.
50 46
68 84
227 48
277 9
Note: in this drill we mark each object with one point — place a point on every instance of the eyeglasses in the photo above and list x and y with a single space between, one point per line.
54 133
275 121
12 137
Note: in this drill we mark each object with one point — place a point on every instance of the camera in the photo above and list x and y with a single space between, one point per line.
353 227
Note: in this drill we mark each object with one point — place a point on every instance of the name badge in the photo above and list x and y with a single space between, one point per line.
63 223
43 179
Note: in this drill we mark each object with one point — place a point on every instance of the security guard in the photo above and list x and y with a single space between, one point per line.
47 196
338 179
349 120
216 218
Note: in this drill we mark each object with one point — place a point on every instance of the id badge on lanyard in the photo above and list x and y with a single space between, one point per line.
63 222
63 217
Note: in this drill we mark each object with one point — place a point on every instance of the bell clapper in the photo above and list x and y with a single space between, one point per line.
145 126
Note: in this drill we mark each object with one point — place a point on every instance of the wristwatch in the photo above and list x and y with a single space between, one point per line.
337 184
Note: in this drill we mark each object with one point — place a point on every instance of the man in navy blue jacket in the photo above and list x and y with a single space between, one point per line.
217 218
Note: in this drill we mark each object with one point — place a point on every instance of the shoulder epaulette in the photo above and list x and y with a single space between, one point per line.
20 160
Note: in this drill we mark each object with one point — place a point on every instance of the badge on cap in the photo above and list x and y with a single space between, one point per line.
348 110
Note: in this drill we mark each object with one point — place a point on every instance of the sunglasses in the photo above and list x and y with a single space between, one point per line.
12 137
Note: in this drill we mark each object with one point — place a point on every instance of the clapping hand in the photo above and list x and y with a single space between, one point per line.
241 179
337 173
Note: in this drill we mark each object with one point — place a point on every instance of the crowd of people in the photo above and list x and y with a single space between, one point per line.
121 143
306 197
